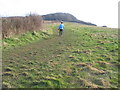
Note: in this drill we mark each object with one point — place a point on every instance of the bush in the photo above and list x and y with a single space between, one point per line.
19 25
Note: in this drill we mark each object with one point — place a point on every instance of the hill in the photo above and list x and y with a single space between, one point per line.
65 17
84 57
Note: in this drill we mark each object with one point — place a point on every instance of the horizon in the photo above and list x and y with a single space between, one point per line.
101 13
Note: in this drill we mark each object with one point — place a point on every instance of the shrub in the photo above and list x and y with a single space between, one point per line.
19 25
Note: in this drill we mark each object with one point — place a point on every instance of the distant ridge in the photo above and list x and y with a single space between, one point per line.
65 17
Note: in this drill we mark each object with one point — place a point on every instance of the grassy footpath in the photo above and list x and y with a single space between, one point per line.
83 57
27 38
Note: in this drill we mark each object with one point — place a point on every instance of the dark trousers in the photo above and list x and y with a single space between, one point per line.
60 32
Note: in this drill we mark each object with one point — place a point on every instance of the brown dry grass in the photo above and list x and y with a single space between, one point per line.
81 64
103 62
95 69
88 83
106 84
19 25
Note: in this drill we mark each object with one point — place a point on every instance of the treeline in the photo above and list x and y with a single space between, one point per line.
19 25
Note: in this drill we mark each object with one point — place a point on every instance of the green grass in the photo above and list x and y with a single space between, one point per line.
85 56
27 38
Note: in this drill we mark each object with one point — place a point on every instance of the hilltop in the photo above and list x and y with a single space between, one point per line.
65 17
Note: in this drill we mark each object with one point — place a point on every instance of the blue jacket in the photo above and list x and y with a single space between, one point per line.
61 26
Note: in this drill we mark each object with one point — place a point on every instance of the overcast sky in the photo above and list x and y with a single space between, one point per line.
100 12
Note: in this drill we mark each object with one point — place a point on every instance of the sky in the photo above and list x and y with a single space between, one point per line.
100 12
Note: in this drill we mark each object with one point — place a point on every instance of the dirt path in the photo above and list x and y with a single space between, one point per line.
44 49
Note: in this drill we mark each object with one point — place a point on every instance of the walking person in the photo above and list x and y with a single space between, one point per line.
61 28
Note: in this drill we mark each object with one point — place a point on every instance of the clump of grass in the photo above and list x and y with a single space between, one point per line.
24 66
6 85
48 83
7 69
24 74
105 83
101 82
103 63
81 64
8 74
88 84
90 68
71 56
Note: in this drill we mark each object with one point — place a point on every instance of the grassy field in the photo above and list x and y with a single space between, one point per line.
84 57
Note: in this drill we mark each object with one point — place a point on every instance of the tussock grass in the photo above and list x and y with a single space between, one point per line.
95 69
8 74
6 85
88 84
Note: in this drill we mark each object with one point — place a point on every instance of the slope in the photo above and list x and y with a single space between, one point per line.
85 56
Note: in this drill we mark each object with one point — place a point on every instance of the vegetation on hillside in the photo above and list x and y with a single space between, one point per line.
84 57
65 17
19 25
